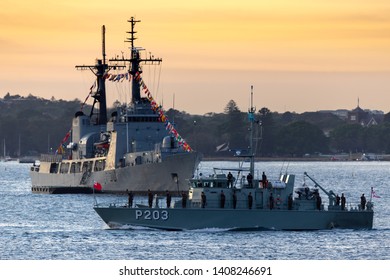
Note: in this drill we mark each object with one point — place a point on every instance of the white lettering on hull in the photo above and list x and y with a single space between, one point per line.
151 215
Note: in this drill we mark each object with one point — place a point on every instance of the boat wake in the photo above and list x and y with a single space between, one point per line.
210 230
115 226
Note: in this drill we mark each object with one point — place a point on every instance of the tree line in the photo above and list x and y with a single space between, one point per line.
32 125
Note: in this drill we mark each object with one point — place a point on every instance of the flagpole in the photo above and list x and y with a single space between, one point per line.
372 190
93 192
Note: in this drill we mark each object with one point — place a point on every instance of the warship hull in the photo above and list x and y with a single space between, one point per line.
158 176
234 219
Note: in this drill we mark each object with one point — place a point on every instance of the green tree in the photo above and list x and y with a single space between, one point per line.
267 132
299 138
347 138
233 127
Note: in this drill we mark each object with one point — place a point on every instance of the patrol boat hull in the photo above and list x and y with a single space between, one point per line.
213 202
234 219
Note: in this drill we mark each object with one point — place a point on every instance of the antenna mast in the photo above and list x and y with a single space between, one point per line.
99 70
135 61
251 117
104 44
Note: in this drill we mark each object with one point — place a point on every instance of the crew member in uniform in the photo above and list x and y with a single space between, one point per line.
230 179
150 198
203 199
130 198
250 200
343 201
234 199
222 200
169 198
264 180
271 202
337 200
183 199
249 178
363 202
318 201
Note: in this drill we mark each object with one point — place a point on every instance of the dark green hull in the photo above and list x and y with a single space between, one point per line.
234 219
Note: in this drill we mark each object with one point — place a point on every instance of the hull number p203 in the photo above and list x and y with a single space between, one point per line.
151 215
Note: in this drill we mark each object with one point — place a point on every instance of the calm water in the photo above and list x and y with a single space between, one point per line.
45 227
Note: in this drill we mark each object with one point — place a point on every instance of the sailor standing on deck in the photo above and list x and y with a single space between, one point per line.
318 201
222 200
343 201
363 202
230 179
271 202
234 199
169 198
203 199
249 178
250 200
183 199
150 198
264 180
130 198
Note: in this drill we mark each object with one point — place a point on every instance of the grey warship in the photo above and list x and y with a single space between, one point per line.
136 149
221 202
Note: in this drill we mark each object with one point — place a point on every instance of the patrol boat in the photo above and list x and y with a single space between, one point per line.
221 202
136 149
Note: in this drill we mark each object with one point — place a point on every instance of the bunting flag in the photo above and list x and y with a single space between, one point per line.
162 116
117 77
61 149
89 94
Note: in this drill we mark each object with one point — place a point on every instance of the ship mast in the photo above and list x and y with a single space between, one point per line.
99 70
251 117
135 61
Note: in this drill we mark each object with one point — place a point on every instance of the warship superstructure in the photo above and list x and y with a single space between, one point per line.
241 202
132 150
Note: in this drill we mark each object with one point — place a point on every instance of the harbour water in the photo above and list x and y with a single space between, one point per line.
65 227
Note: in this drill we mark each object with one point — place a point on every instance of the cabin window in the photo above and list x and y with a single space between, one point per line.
54 168
87 166
64 168
99 165
75 167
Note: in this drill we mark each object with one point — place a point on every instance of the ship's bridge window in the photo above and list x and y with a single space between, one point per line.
87 166
64 167
54 167
99 165
202 184
75 167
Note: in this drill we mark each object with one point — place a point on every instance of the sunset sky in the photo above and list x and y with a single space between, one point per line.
302 55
